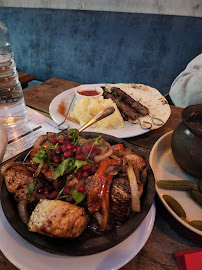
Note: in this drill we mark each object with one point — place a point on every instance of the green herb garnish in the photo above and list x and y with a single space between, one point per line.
66 165
78 164
78 196
30 189
73 135
41 156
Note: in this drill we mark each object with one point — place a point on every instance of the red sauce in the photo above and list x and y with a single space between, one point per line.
88 93
62 108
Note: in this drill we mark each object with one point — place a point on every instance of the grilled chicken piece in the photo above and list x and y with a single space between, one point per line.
17 178
57 218
120 200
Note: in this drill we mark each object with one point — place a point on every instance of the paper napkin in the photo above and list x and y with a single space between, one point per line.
190 259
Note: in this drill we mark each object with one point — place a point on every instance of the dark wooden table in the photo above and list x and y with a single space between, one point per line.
25 78
168 236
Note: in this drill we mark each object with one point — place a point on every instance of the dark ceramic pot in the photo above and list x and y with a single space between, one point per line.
186 142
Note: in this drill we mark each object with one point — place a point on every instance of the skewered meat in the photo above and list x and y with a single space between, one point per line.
134 104
57 218
125 108
120 200
17 178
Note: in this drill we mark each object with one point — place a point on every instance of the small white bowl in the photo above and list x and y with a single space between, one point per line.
86 90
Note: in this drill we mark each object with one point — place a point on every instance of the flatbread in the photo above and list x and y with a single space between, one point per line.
149 97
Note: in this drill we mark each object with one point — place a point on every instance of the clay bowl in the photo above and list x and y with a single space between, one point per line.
186 142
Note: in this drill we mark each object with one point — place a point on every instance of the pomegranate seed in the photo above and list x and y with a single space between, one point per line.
63 158
68 154
66 142
85 174
59 151
67 190
70 199
55 159
64 148
92 155
54 141
80 157
70 146
50 152
89 147
94 169
66 137
78 175
80 188
60 141
78 150
53 195
58 146
84 149
86 167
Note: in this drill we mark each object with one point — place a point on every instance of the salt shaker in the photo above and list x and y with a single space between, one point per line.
12 105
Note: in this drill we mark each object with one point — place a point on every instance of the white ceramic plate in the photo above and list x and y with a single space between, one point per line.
150 97
27 257
165 167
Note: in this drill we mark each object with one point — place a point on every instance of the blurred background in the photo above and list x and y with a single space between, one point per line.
96 46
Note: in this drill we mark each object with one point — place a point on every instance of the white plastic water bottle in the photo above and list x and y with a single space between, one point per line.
12 105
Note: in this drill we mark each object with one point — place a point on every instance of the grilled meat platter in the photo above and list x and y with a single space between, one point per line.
77 194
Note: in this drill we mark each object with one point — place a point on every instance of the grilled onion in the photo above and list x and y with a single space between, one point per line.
135 200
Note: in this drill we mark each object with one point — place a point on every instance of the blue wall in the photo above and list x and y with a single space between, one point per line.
93 47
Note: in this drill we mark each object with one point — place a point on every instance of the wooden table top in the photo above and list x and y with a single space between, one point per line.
25 78
168 236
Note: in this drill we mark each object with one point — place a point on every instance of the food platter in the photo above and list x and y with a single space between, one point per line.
149 97
165 167
28 257
87 244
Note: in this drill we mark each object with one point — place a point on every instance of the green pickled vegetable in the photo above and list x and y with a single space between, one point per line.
196 224
175 206
176 185
196 196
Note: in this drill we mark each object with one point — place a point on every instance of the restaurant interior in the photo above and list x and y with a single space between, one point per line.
141 55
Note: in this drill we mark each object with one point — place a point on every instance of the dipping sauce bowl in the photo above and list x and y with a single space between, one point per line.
93 91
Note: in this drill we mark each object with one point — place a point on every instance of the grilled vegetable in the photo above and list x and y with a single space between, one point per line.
176 185
175 206
135 200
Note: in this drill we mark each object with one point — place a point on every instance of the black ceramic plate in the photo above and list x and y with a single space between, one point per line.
88 243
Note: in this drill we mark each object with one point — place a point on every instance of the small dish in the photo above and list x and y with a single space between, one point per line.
165 167
83 91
